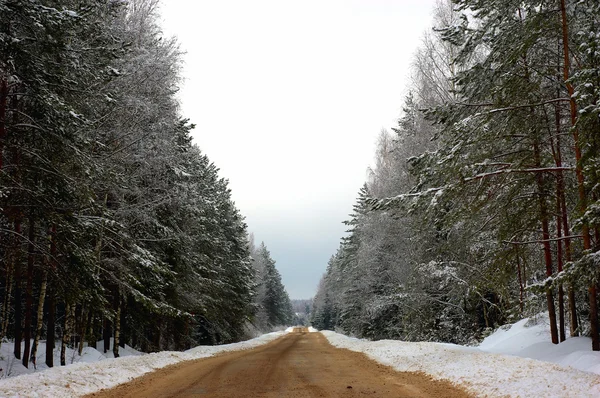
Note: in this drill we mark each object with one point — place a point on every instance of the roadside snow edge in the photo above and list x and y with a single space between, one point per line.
481 373
86 378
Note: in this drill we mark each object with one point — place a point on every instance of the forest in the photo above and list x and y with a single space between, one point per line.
114 226
483 205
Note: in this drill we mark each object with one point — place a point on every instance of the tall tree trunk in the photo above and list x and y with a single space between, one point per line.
564 218
94 327
592 291
87 332
51 304
8 262
544 219
125 333
65 337
117 324
40 318
574 323
29 293
556 153
485 315
3 104
83 328
8 293
106 334
546 239
51 327
521 287
18 315
559 268
68 329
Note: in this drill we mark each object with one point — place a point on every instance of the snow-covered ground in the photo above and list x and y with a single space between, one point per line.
517 361
93 371
530 338
10 367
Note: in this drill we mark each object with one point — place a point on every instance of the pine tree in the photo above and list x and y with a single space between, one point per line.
481 179
274 305
105 200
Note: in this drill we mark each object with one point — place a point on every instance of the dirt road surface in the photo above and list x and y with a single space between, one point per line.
300 364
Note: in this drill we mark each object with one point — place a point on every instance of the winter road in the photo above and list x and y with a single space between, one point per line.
300 364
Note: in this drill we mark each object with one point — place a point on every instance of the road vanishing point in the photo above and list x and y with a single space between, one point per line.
299 364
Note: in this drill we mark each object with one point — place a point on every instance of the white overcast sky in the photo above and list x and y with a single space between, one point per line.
288 98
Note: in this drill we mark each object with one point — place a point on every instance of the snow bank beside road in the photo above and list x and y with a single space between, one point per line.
85 378
11 367
482 373
530 338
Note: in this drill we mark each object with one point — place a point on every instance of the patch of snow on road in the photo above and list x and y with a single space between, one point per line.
487 370
312 330
87 377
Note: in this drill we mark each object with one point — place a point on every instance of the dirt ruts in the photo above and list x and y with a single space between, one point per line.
300 364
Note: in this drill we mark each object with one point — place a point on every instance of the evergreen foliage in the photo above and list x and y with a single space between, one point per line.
482 206
274 307
113 223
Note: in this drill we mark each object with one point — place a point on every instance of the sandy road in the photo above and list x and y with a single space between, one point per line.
299 364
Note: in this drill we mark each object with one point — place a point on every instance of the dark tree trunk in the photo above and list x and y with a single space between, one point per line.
106 334
8 293
544 218
29 293
85 333
83 327
117 324
40 318
561 219
50 329
18 329
7 259
564 218
592 291
559 265
546 241
3 104
125 335
520 278
69 314
593 295
94 328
